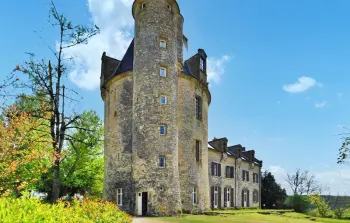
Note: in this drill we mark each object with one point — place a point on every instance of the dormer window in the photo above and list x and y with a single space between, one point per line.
201 64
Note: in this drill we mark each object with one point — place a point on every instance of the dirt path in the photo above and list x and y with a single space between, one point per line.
146 220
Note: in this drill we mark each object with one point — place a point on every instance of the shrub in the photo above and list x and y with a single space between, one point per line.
299 203
321 205
339 212
33 210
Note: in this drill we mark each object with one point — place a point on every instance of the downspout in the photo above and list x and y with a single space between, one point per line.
235 182
260 186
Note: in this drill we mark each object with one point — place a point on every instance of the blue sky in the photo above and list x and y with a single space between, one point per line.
279 70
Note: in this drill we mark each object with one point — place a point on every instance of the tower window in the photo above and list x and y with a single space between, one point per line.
169 7
163 100
194 196
143 6
201 64
162 43
162 72
198 145
162 130
162 161
120 197
198 107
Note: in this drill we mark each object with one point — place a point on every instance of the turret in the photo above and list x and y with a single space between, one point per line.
155 103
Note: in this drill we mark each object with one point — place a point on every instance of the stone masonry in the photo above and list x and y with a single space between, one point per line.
149 173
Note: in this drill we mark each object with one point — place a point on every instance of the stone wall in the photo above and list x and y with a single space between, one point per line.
237 182
223 181
193 173
117 147
249 185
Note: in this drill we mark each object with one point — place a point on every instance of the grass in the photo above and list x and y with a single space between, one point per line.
248 217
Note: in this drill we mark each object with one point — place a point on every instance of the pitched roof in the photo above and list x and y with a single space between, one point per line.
127 63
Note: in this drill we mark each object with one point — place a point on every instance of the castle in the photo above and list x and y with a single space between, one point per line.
157 157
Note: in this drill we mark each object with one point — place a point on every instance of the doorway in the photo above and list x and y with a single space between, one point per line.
142 203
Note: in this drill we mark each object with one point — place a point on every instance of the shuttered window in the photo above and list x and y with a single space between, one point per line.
230 172
216 169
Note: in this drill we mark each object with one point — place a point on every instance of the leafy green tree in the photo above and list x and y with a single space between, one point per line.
83 164
272 194
320 203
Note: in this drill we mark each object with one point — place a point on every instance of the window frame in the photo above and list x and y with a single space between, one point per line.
201 64
197 150
215 169
255 196
198 107
165 130
120 193
194 196
165 98
216 196
143 5
165 70
230 172
160 162
164 42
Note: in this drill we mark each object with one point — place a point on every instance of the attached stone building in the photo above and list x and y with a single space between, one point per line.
157 160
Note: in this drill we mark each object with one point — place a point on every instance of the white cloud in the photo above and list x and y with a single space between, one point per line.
303 84
116 23
320 104
216 68
338 181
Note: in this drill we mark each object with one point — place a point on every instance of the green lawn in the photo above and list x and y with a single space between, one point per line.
249 218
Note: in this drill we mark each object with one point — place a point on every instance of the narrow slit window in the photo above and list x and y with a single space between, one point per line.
163 72
198 144
120 197
163 130
143 5
162 161
194 196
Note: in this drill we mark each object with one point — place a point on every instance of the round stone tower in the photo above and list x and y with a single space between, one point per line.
157 57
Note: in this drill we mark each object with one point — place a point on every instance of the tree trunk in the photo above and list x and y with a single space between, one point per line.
56 182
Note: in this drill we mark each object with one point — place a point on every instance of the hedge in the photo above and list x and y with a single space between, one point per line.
33 211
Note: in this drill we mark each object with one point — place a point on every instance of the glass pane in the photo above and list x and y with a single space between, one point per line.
163 44
163 72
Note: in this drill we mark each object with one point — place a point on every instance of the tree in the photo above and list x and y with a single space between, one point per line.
24 152
303 183
321 205
344 150
82 166
272 194
46 80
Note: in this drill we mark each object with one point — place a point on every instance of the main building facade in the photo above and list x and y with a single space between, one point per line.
157 157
